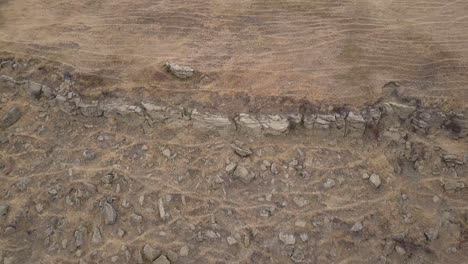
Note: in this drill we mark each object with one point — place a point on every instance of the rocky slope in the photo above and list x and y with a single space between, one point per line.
114 180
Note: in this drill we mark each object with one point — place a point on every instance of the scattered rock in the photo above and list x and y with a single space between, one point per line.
89 154
172 256
300 201
35 89
97 237
375 180
231 240
431 234
241 149
400 250
211 234
182 72
150 253
453 185
365 176
300 223
4 209
243 174
452 159
10 118
184 251
298 255
287 239
162 260
231 167
357 227
110 215
329 184
162 212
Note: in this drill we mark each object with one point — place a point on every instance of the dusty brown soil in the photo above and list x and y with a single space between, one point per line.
337 52
119 188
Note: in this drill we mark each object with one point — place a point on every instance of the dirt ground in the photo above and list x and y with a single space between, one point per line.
329 51
79 184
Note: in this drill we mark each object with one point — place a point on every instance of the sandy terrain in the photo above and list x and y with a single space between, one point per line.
339 52
309 131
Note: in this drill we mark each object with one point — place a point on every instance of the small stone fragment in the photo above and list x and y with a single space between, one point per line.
400 250
150 253
4 209
357 227
231 167
329 184
10 118
287 239
454 185
375 179
243 174
35 89
89 154
161 260
297 255
431 234
110 215
231 241
241 149
97 238
162 212
184 251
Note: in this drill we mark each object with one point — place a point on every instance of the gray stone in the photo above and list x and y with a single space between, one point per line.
231 167
162 260
97 237
89 154
431 234
300 201
182 72
241 149
4 209
110 215
274 169
454 185
298 255
375 180
10 118
357 227
355 124
172 256
184 251
150 253
452 159
329 184
231 240
287 239
91 110
400 250
79 236
35 89
401 110
243 174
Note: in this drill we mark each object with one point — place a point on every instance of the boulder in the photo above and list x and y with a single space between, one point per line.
182 72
